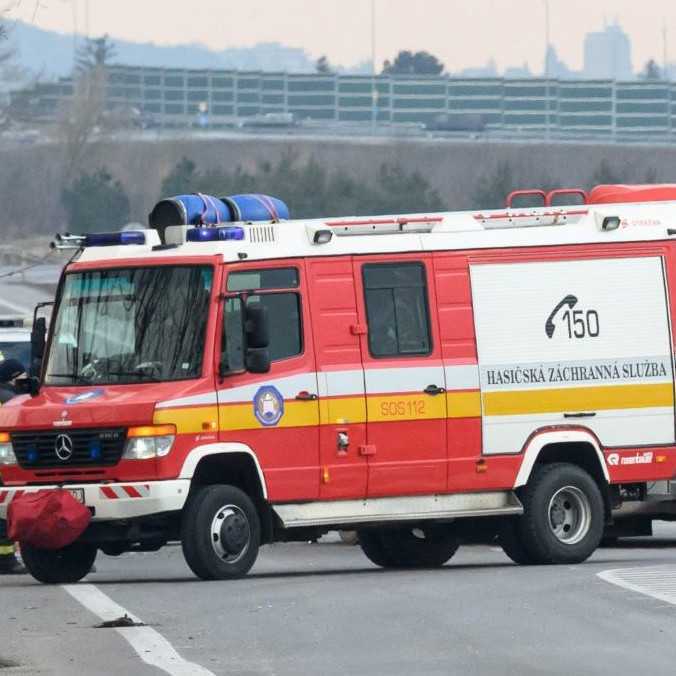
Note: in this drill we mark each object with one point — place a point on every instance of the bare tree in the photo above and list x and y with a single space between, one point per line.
85 115
95 53
81 118
5 53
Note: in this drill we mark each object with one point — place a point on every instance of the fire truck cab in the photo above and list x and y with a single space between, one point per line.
426 379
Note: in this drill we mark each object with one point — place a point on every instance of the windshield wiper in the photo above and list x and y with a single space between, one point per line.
73 376
129 374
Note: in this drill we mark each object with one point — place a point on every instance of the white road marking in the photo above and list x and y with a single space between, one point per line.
658 582
149 644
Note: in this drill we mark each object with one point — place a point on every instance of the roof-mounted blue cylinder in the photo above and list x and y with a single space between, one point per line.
205 210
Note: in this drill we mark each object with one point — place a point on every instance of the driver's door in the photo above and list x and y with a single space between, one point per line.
275 414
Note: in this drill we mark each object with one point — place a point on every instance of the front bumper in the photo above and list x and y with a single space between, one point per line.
112 502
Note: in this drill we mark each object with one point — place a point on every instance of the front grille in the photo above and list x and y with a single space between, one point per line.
90 448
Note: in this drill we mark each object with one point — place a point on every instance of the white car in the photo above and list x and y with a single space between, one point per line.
15 340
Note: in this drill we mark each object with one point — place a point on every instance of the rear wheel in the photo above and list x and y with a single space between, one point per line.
59 566
563 518
408 548
220 533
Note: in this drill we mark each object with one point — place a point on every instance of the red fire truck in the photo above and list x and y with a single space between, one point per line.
427 380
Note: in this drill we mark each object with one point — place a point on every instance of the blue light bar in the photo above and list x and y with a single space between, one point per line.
114 238
224 233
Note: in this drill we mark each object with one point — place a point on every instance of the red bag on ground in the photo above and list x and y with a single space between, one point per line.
50 519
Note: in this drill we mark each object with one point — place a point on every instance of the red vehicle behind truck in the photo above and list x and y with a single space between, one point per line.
426 379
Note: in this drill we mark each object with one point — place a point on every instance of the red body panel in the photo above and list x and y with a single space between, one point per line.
303 460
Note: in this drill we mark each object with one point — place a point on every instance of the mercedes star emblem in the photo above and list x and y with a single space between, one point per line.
63 447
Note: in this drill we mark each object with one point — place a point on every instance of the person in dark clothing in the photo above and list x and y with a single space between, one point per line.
10 370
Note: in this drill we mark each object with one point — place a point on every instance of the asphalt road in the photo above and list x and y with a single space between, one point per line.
325 609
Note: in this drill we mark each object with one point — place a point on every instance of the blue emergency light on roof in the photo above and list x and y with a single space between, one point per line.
114 238
68 241
224 233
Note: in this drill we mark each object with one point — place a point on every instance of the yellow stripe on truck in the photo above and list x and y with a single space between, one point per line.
464 404
602 398
330 411
188 420
416 406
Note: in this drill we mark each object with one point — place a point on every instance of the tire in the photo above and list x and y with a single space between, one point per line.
59 566
371 543
408 548
510 541
563 519
220 533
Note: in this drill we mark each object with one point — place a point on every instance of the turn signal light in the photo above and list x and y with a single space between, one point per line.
151 431
4 438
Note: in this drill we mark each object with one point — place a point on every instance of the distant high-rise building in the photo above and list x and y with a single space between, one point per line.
607 54
555 68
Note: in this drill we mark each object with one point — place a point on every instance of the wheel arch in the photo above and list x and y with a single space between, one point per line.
580 446
220 458
237 465
575 447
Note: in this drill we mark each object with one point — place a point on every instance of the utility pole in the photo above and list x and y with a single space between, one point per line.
547 130
665 50
374 87
73 6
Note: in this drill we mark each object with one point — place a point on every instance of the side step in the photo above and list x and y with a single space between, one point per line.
412 508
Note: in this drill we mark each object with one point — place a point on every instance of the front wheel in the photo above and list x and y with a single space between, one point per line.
563 519
220 533
59 566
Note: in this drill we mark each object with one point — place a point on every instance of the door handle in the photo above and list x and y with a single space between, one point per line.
306 396
589 414
434 389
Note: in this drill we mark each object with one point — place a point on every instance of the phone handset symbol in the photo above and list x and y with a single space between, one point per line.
570 301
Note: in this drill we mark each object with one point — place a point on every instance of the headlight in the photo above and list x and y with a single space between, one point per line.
152 441
7 456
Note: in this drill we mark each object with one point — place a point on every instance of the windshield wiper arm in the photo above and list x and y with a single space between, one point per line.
137 374
73 376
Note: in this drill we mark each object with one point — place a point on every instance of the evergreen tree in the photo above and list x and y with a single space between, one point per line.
413 63
95 203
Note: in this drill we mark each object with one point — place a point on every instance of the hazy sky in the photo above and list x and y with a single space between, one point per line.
460 32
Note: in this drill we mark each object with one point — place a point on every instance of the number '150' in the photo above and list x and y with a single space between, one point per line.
581 324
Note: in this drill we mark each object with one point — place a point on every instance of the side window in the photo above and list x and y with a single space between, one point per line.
285 325
273 278
284 313
396 309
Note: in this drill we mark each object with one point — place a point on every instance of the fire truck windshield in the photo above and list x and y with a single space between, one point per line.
130 325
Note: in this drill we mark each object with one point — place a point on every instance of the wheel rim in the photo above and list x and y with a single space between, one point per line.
569 515
230 533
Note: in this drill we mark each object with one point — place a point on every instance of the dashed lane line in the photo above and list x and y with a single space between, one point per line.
658 582
148 643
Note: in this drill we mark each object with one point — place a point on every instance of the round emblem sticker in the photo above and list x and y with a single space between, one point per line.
268 405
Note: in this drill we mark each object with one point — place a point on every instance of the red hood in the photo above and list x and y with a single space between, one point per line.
93 406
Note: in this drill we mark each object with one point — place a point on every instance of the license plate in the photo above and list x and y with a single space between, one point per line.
77 493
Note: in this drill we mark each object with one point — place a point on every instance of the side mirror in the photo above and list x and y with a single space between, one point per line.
38 342
27 386
257 326
258 360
